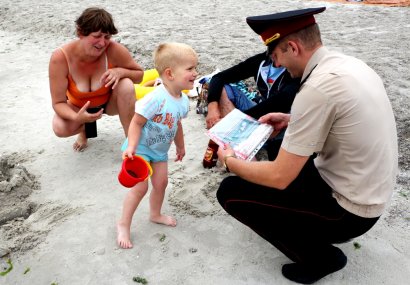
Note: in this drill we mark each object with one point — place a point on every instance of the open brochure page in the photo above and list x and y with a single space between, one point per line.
243 133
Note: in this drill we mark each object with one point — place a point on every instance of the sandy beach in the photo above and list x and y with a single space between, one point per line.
58 208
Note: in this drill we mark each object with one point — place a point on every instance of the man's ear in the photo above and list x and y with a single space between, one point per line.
293 47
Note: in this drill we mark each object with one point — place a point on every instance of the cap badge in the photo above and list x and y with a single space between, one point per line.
271 39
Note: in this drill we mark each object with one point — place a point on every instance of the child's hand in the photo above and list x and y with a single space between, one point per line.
180 153
128 153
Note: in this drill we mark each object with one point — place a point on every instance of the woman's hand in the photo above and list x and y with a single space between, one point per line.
84 117
111 77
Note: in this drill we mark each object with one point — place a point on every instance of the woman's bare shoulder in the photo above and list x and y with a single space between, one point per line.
117 53
60 53
57 57
116 49
115 45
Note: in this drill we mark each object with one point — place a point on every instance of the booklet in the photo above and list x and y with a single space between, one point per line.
242 132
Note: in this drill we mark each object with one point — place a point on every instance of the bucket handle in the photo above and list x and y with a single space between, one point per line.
147 163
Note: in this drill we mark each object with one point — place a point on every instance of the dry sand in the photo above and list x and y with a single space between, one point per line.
58 208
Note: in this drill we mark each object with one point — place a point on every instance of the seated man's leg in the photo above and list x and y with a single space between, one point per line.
225 104
231 97
302 221
237 97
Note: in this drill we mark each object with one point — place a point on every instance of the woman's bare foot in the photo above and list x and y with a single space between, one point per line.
123 236
81 142
165 220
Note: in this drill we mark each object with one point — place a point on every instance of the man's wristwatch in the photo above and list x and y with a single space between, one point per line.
225 158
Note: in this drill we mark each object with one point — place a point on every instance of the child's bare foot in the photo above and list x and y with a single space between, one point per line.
123 236
165 220
81 143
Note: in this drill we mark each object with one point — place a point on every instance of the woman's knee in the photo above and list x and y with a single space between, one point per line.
58 132
124 86
62 130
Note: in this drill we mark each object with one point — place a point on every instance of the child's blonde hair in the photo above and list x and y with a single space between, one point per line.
171 54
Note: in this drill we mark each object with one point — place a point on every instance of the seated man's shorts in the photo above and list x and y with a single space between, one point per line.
239 96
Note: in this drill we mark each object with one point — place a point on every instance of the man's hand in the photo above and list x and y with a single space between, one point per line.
224 151
278 121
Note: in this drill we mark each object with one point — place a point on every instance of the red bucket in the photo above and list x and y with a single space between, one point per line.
134 171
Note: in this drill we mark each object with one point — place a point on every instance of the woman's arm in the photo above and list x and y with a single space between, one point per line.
58 72
124 66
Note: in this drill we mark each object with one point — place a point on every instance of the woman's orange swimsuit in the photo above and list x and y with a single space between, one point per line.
78 98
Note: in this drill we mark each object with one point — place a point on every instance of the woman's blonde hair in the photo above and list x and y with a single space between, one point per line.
171 54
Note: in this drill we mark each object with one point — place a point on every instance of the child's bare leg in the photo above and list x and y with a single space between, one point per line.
159 181
131 202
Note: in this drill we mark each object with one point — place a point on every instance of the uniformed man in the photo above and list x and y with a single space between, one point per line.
337 165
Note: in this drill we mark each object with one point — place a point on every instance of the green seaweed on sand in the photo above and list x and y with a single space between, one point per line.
356 245
3 273
140 280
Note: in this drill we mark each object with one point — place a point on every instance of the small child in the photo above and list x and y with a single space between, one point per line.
156 123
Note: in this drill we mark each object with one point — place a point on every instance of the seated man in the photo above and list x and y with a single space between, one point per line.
276 91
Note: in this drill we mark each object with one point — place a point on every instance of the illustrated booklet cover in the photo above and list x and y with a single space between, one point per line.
242 132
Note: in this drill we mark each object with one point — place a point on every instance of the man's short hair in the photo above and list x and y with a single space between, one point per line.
309 37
